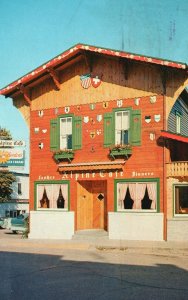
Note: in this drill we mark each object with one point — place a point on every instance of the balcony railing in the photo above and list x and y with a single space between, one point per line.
177 169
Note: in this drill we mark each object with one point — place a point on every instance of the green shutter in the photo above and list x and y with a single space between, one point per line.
136 127
77 132
54 135
108 130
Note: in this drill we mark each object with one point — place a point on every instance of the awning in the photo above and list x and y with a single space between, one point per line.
91 166
174 136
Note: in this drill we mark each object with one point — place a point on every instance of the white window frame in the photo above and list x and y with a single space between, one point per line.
133 210
123 127
178 122
52 195
64 133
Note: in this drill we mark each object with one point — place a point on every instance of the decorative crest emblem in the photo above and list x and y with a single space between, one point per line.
119 103
152 136
153 99
85 81
147 119
157 118
92 106
95 80
86 119
99 131
36 129
92 134
137 101
41 113
99 118
67 109
105 104
41 145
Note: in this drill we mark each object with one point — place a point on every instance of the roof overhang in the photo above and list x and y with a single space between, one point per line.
91 166
174 136
49 68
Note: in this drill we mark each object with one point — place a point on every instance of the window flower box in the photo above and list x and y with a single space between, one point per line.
120 151
63 155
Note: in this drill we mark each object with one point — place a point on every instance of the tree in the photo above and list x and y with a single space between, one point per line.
6 180
6 177
5 134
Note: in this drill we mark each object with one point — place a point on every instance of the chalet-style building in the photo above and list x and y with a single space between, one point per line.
108 144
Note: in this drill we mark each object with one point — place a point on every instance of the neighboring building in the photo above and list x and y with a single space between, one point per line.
177 169
103 144
19 202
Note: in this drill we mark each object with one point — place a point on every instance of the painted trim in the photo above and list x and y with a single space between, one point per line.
51 182
174 136
55 62
157 180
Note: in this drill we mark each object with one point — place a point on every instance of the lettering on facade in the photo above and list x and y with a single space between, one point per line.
46 177
85 175
143 174
90 175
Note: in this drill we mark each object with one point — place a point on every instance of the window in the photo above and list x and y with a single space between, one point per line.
66 133
178 122
19 188
181 199
137 196
52 196
122 127
11 213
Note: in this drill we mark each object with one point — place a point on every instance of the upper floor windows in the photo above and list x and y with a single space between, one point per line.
122 127
66 133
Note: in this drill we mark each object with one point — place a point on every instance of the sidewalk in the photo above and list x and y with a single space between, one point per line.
96 241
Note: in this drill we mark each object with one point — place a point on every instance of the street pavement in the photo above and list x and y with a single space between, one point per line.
91 267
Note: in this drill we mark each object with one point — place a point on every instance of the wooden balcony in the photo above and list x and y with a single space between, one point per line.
177 169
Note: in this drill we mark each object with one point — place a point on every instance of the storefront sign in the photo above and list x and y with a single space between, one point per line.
85 175
11 143
12 157
142 174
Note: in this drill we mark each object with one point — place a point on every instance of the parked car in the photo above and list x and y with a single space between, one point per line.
1 222
20 223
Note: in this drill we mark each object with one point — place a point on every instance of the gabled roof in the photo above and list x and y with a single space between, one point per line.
72 54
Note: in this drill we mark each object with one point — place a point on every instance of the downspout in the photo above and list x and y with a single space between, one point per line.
164 157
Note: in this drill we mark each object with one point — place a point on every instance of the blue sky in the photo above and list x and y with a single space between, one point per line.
34 31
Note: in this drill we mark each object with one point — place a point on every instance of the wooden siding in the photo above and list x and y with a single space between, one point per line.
23 107
142 81
118 81
146 160
183 111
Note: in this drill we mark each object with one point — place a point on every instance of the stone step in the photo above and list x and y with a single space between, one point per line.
90 234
